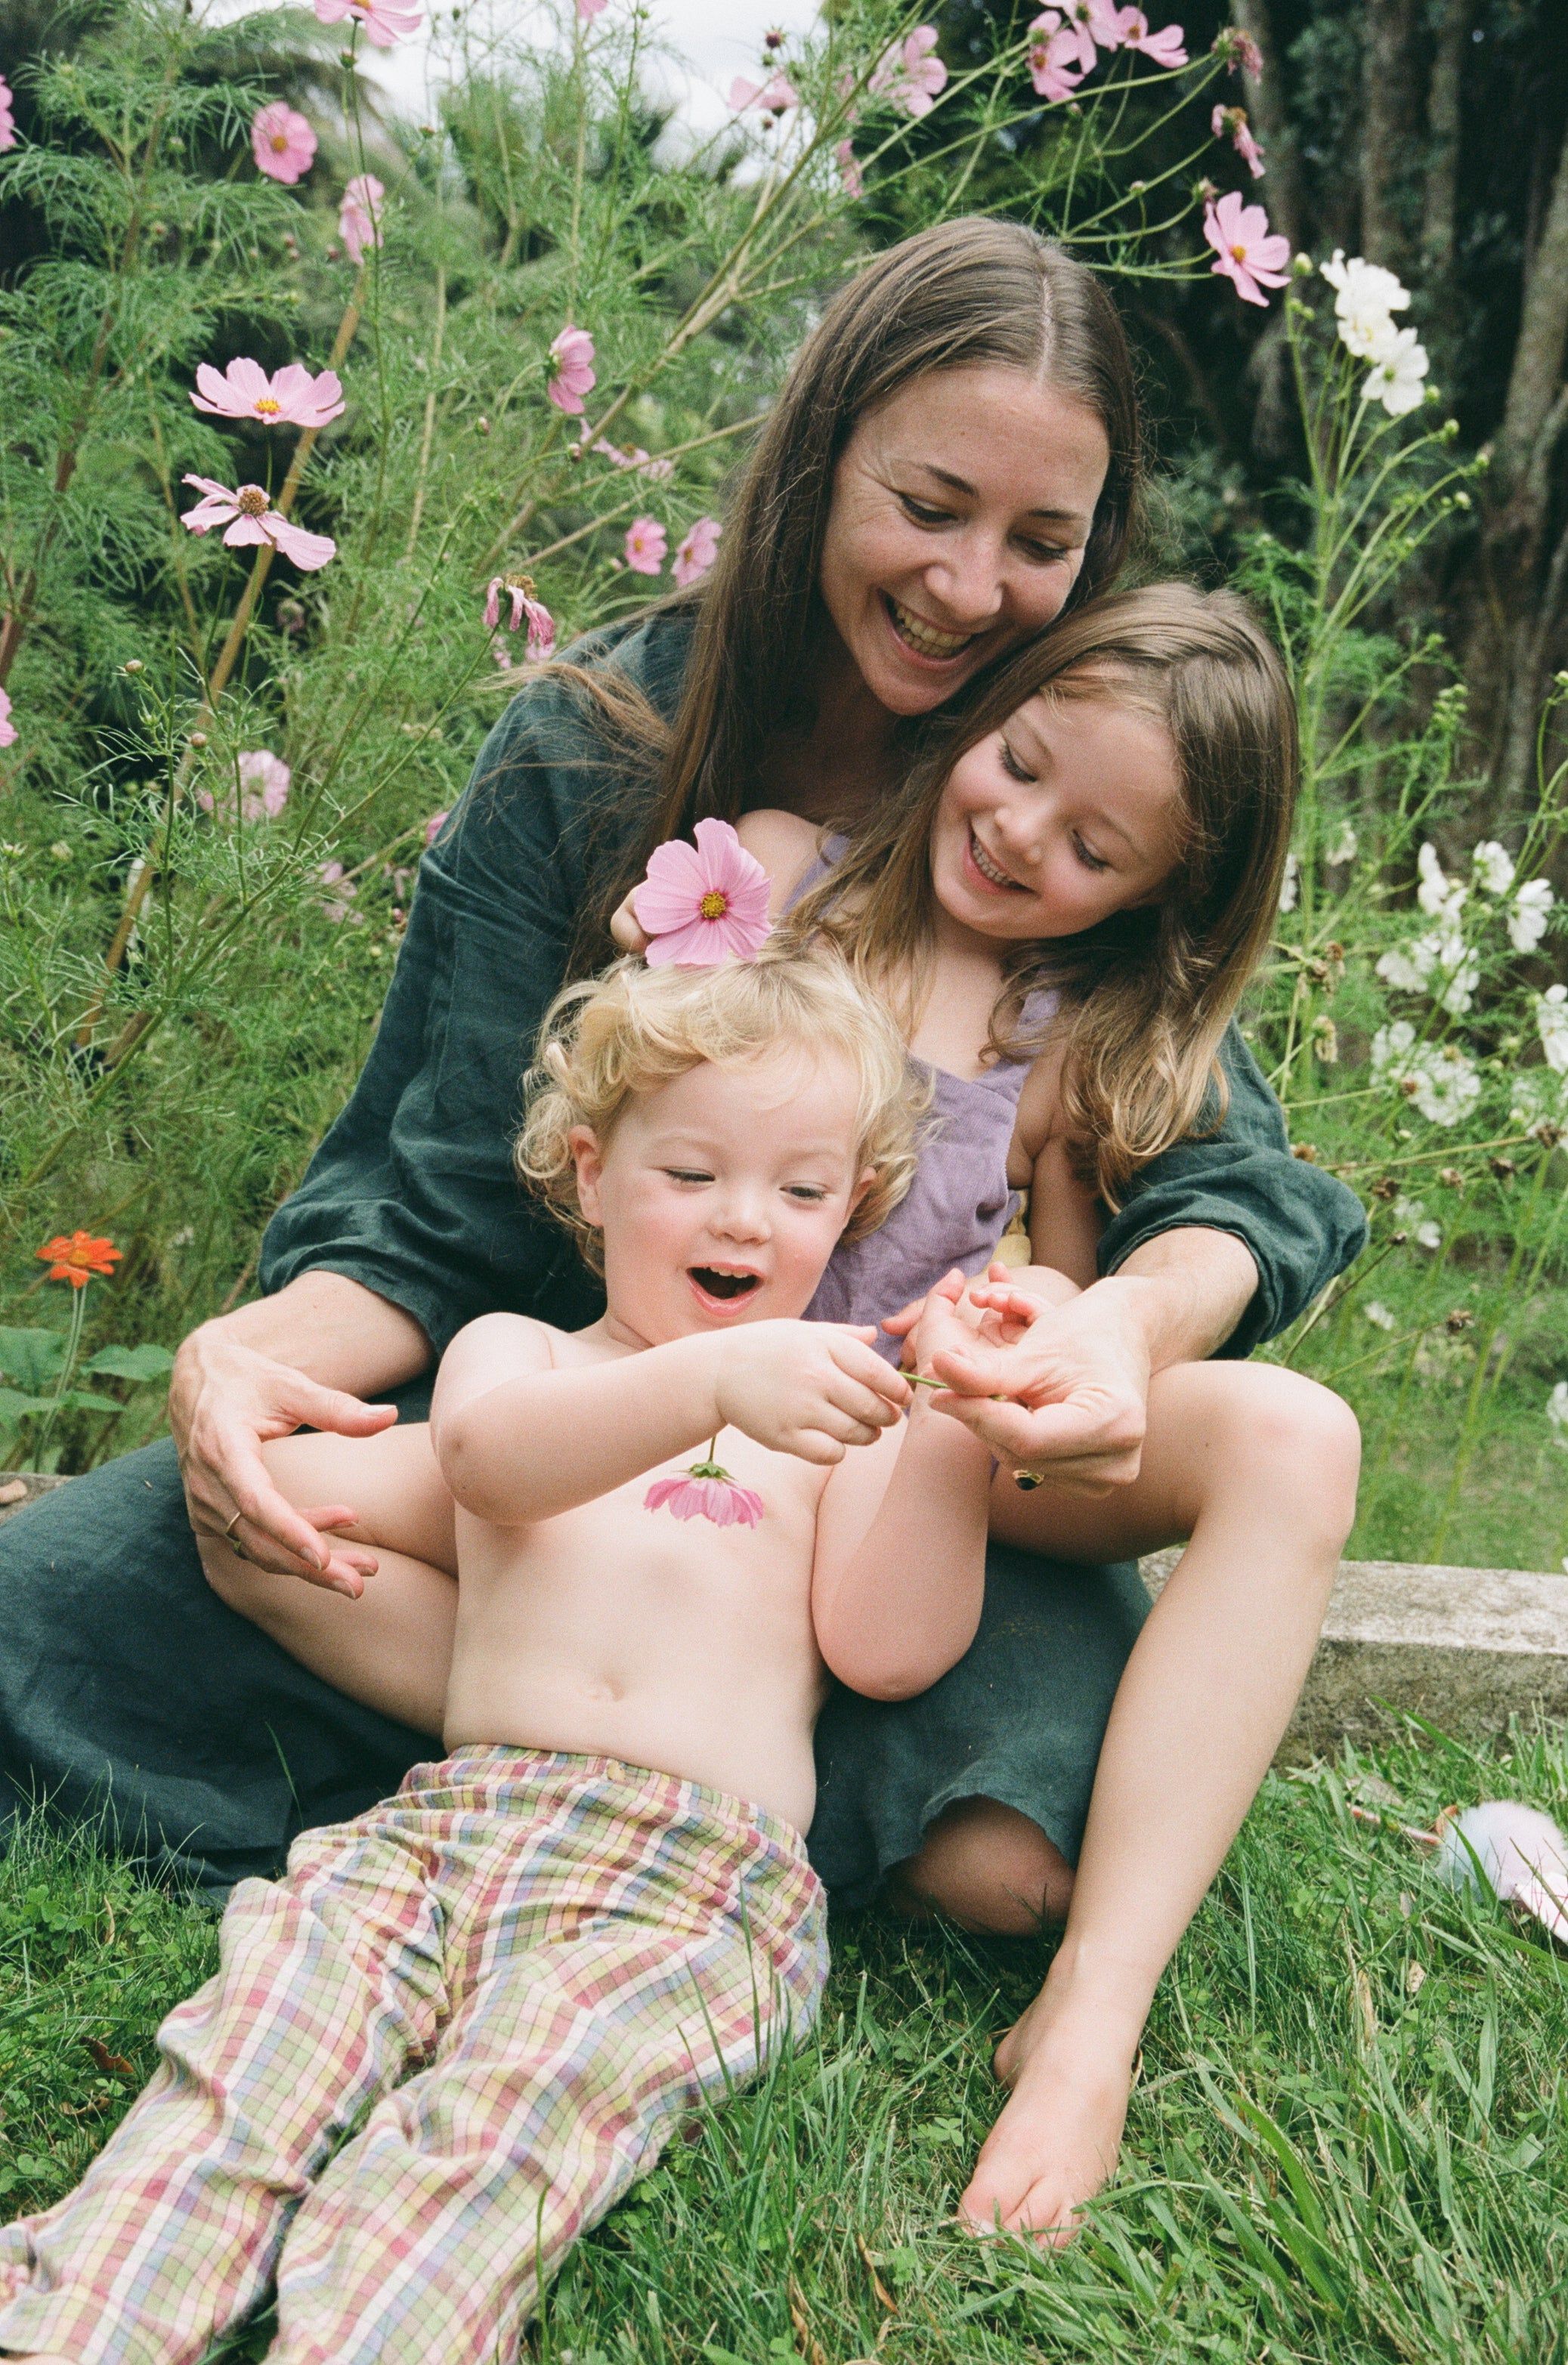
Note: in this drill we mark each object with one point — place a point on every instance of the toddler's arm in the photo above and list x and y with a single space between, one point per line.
899 1573
521 1437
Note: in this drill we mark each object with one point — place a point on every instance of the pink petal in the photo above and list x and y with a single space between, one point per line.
216 393
692 947
309 551
737 938
244 532
673 887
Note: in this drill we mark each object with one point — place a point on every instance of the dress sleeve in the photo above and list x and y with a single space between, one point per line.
411 1192
1303 1224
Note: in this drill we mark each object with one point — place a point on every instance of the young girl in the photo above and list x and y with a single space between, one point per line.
1063 907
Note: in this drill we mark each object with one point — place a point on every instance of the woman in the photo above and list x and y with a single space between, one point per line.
954 458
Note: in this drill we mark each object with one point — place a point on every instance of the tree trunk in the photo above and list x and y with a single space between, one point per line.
1439 198
1388 86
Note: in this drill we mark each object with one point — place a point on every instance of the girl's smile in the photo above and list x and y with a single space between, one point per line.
1072 811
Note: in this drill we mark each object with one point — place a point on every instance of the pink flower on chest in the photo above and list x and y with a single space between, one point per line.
702 903
705 1492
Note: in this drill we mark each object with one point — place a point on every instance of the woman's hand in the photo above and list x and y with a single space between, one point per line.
807 1388
1075 1374
228 1399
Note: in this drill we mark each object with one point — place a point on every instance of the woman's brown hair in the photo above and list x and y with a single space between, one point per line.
1145 996
964 294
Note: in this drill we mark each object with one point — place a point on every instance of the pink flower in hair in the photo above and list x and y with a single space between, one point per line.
702 903
1052 55
282 142
696 552
1233 119
646 542
572 354
1246 251
249 520
706 1492
359 215
385 22
292 398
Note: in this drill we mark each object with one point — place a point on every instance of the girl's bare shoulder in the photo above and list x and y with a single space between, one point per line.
784 844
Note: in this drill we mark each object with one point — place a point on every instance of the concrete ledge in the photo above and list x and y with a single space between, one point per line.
1466 1648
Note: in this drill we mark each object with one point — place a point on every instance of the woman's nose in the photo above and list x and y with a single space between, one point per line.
968 581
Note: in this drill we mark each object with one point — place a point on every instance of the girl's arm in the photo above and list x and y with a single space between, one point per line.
1065 1215
898 1578
521 1437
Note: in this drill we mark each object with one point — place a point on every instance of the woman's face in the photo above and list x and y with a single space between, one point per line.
960 511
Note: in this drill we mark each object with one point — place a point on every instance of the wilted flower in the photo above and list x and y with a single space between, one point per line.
1055 59
572 355
1246 251
7 121
849 170
706 1492
524 606
646 543
8 728
1365 294
335 906
696 552
909 74
262 783
1527 920
385 22
702 903
1412 1213
359 215
1395 375
1552 1024
249 520
1239 51
1233 120
77 1256
292 398
773 97
1493 866
282 142
1441 1083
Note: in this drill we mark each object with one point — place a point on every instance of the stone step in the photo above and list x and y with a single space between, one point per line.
1466 1648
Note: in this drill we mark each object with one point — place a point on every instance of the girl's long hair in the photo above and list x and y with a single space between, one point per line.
964 294
1145 996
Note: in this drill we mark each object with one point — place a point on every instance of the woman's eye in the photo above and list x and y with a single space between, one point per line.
923 513
1043 554
1090 859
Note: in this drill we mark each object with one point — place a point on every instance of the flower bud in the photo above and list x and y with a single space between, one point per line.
198 739
133 665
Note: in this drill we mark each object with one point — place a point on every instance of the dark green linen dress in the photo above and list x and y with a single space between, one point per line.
127 1690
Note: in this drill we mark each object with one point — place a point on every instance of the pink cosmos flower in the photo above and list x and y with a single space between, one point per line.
1086 23
1246 252
8 139
263 780
1233 119
773 97
282 143
249 520
1051 55
706 1492
8 728
1239 51
292 398
572 353
646 543
849 170
335 906
589 9
385 22
702 903
1164 47
696 552
541 624
909 74
435 824
359 215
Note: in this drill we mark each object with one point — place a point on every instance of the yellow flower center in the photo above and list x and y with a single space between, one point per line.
713 905
268 406
280 143
1239 252
251 501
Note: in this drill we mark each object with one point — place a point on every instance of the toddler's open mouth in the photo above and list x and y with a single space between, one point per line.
716 1284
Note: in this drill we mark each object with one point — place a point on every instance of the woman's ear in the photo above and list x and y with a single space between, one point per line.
589 1159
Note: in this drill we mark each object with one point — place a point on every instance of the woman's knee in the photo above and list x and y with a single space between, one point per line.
988 1868
1278 1432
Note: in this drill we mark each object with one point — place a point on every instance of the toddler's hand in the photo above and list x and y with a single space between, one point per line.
947 1320
624 929
807 1388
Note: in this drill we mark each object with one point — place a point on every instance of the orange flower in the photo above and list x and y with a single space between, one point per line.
76 1258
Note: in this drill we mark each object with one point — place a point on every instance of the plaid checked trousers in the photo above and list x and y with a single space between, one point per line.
436 2052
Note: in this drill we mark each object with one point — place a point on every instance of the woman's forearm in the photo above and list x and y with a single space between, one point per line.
333 1329
1187 1289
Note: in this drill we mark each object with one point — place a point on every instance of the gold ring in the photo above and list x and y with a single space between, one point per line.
229 1531
1025 1479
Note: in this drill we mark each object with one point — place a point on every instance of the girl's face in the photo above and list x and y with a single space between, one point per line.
960 511
1070 812
722 1194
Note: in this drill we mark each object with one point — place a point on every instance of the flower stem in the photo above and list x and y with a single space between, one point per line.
72 1349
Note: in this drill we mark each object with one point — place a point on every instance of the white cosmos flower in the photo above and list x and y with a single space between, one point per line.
1345 847
1439 963
1440 1082
1527 921
1289 885
1493 866
1365 294
1379 1315
1438 893
1411 1214
1395 375
1551 1020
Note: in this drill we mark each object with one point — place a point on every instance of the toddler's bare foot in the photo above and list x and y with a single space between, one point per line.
1057 2140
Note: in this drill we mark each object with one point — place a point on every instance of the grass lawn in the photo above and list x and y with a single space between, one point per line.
1347 2143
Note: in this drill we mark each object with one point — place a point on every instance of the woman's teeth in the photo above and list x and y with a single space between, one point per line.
986 867
924 638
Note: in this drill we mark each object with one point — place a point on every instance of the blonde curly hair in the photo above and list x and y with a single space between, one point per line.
633 1028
